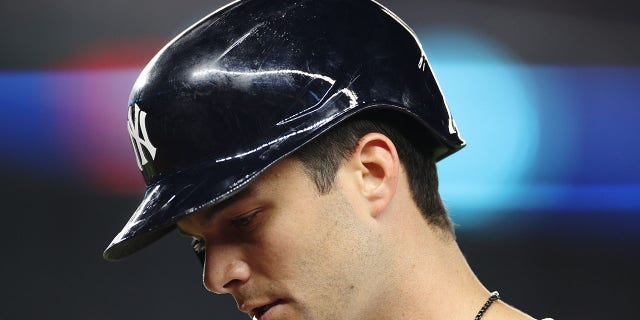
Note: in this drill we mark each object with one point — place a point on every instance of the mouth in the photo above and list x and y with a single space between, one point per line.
259 312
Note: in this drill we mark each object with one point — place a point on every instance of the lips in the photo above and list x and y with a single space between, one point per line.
260 311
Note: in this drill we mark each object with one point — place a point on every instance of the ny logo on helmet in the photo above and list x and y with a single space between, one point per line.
142 146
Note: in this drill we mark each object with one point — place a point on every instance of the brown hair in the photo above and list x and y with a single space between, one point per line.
323 156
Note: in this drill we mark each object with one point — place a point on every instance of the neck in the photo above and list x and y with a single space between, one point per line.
442 284
434 281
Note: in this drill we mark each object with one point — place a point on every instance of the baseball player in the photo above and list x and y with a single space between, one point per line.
296 142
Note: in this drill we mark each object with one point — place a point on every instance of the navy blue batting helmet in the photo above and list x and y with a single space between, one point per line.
253 82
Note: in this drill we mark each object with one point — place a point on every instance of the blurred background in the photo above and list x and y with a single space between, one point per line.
546 196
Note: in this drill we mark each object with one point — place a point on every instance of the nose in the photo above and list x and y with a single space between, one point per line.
224 269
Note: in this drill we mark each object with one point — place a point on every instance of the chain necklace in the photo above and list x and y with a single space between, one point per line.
494 296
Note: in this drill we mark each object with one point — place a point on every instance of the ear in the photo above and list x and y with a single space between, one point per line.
377 169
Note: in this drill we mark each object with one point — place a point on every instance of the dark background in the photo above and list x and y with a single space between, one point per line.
66 197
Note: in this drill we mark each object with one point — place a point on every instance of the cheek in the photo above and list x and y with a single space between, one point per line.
281 244
328 244
317 246
293 244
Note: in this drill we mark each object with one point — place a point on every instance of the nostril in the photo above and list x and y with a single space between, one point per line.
231 283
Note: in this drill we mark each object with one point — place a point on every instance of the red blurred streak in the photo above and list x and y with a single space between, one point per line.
132 53
105 165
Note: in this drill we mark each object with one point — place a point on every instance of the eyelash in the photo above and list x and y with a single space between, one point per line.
244 221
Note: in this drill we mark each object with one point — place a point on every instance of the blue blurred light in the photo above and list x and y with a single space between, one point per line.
65 123
540 138
27 129
491 100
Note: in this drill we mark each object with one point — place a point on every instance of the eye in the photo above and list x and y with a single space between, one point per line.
244 221
197 245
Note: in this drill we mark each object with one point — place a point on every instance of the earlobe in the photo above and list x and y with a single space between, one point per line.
379 169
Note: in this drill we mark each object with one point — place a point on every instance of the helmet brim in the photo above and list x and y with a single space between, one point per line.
181 194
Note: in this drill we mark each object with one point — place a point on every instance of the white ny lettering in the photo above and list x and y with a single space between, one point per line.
136 123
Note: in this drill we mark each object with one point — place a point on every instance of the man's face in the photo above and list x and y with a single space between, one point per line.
284 251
